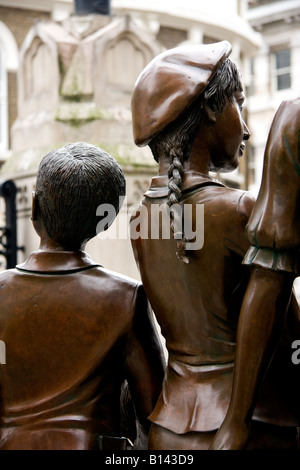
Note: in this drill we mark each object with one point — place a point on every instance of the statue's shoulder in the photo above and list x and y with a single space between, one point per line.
8 276
246 203
117 279
235 201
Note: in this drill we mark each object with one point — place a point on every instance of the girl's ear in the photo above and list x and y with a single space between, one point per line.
211 115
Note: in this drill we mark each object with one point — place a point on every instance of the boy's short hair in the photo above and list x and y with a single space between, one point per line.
71 183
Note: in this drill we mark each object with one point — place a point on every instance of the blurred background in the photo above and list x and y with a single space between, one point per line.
67 70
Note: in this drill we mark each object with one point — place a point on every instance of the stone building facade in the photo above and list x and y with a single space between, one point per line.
69 77
273 72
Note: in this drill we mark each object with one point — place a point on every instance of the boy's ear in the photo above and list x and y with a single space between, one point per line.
210 113
34 206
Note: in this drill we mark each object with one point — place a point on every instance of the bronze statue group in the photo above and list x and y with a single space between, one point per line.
84 365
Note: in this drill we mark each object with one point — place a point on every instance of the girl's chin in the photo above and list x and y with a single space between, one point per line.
226 167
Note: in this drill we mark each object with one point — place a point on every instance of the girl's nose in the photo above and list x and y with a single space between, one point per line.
246 132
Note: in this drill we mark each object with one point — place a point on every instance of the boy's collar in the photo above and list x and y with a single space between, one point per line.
57 262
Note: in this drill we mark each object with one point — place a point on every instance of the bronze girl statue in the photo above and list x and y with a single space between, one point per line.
187 106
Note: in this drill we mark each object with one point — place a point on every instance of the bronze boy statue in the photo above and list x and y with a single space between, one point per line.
74 331
187 106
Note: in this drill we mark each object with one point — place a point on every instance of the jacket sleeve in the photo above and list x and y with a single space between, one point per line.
274 227
145 362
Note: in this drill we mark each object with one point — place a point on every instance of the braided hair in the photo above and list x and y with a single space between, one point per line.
176 139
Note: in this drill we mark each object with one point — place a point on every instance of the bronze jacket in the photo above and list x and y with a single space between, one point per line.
197 304
74 332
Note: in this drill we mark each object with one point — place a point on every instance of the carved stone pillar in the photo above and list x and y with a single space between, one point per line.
75 84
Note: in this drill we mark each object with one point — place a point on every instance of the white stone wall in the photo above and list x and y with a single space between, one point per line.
279 26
